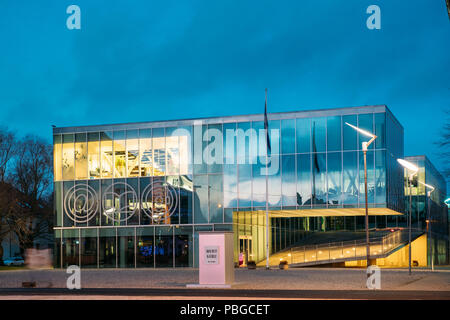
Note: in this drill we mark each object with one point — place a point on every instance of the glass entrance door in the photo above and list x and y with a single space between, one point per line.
245 250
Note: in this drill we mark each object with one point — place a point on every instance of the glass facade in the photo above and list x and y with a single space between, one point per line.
431 214
135 195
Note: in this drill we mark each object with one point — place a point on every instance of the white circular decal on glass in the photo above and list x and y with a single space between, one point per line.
119 201
159 200
80 203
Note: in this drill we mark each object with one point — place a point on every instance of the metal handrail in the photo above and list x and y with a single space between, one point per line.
379 246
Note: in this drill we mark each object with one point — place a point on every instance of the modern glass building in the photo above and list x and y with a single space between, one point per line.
429 216
137 194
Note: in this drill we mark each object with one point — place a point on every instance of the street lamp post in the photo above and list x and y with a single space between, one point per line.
365 146
413 168
429 221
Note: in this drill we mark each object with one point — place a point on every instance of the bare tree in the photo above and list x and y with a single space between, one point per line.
32 178
7 152
444 144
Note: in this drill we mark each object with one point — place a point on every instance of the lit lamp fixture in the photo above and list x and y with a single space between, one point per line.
365 146
429 220
413 171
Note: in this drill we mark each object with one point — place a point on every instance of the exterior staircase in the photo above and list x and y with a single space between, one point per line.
341 251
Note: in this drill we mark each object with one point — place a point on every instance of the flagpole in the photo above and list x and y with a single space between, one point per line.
267 194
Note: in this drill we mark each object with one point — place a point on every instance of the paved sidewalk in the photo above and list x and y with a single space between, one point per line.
259 279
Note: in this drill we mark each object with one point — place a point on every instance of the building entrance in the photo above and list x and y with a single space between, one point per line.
245 250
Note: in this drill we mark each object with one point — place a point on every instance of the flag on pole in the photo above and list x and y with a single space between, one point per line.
266 125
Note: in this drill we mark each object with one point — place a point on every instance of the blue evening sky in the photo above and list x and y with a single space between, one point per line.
157 60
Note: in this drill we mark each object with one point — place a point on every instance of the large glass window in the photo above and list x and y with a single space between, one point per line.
350 178
107 248
350 136
164 247
244 166
57 157
183 247
365 122
288 136
89 248
216 198
68 157
303 135
288 181
81 163
186 190
159 152
132 153
380 177
319 183
71 248
334 133
318 134
125 242
304 179
334 175
145 248
120 162
145 152
94 155
380 130
106 146
201 199
214 149
230 167
172 152
370 178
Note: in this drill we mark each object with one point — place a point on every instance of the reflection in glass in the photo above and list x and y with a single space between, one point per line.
68 157
229 169
303 129
319 195
145 249
288 180
145 152
380 177
159 152
370 178
81 163
318 129
216 198
172 152
304 179
288 136
183 247
334 133
350 178
350 136
201 199
365 122
380 130
164 247
186 189
334 167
